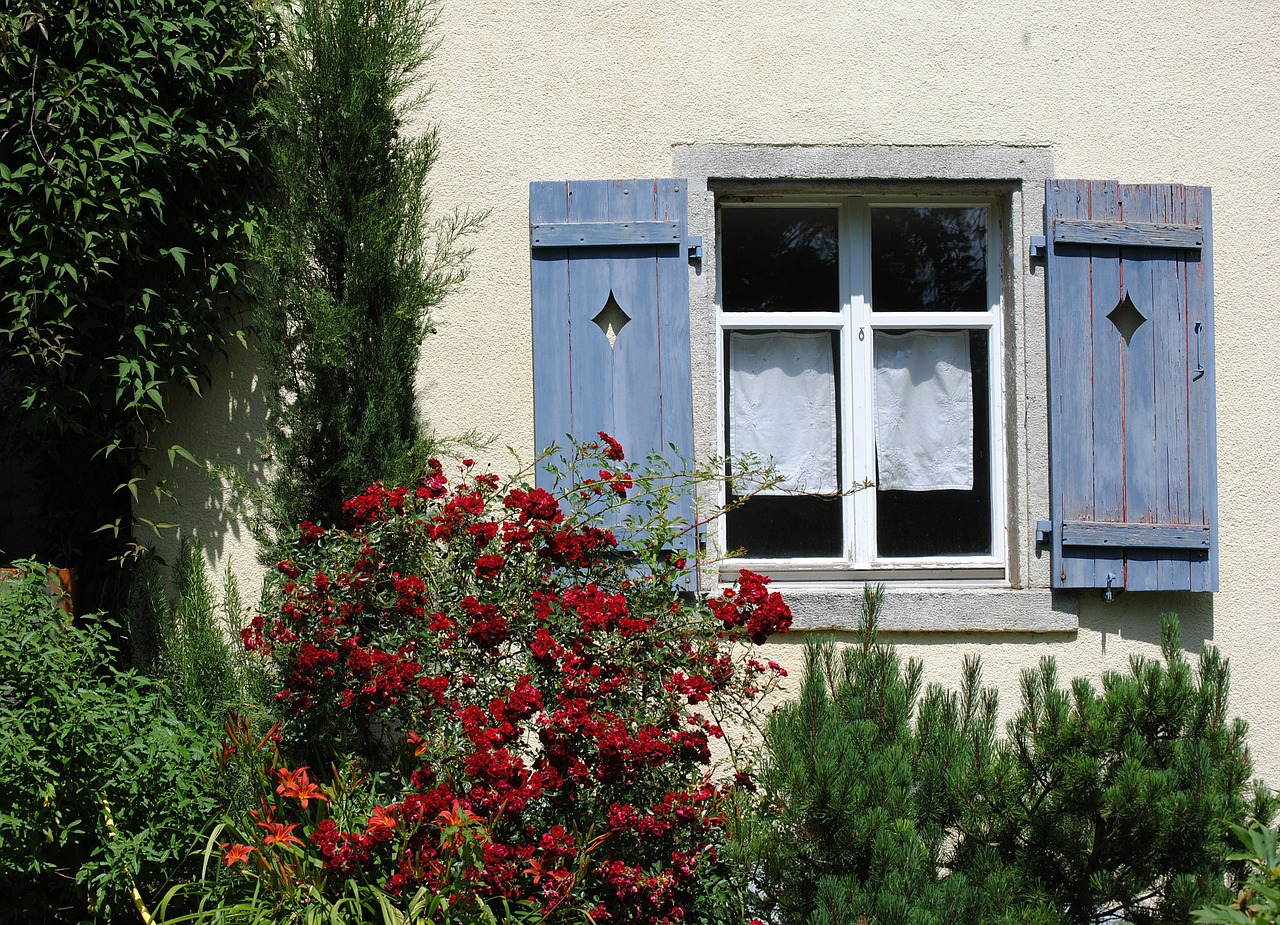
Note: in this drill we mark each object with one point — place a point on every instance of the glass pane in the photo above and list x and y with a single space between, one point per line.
784 259
947 522
786 526
929 259
783 408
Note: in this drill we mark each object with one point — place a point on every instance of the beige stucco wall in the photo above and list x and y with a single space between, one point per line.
1168 91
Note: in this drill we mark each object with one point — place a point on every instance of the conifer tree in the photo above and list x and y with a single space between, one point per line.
1119 802
352 266
866 786
1111 805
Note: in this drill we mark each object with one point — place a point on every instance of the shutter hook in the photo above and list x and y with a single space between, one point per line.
1107 596
1199 362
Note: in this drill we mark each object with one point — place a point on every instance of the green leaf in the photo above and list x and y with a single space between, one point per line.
177 450
132 485
179 254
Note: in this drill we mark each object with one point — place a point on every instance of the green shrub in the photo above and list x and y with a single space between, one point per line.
75 732
181 635
129 183
352 267
1117 801
1099 806
865 787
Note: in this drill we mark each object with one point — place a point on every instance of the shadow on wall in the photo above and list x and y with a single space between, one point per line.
1135 616
19 500
226 428
1130 617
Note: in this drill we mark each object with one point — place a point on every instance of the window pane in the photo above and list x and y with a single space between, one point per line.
947 522
784 259
782 397
786 526
929 259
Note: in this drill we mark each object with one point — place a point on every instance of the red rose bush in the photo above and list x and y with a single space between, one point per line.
494 699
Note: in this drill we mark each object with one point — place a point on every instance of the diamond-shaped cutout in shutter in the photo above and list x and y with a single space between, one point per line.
1126 317
611 319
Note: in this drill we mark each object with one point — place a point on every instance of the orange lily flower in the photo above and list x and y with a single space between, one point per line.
455 816
381 819
236 854
279 834
298 784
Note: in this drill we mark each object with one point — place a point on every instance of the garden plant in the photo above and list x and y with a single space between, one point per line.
351 259
496 705
130 186
1097 806
103 785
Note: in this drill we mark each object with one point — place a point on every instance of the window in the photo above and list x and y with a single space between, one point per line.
852 275
860 341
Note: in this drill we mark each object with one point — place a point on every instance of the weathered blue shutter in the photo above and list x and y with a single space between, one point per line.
611 317
1133 452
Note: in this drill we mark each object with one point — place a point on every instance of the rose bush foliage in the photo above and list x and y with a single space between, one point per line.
529 704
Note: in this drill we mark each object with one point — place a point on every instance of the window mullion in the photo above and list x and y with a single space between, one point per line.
861 414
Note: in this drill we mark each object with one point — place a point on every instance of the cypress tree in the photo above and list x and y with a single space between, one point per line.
352 267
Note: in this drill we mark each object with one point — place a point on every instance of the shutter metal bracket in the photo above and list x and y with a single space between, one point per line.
1039 249
695 247
1044 532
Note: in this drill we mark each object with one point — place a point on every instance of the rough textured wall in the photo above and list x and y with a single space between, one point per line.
1141 92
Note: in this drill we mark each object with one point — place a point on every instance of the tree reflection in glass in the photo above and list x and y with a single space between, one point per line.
929 258
780 259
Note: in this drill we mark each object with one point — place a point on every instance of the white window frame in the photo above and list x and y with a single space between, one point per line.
1014 175
855 324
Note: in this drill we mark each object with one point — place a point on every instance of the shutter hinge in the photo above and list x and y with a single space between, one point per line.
1039 249
1044 532
695 246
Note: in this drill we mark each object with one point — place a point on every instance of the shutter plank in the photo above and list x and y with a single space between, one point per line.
1202 412
1167 536
549 279
676 393
635 355
1172 377
1129 233
590 355
1071 377
1137 273
605 234
1105 293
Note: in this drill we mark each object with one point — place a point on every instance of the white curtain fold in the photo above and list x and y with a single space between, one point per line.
924 411
782 406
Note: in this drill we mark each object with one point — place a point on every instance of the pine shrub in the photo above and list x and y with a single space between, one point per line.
1118 801
885 806
866 788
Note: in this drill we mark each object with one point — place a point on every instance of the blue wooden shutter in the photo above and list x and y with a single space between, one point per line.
1133 452
610 282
